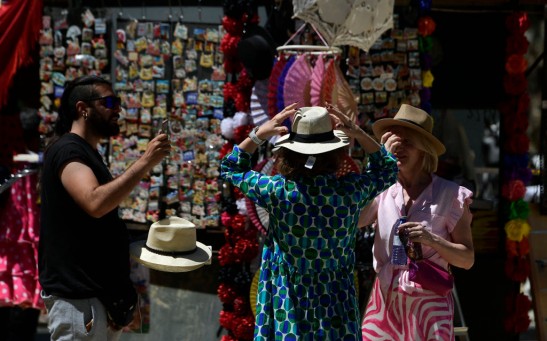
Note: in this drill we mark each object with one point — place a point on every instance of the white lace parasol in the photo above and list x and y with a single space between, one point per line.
347 22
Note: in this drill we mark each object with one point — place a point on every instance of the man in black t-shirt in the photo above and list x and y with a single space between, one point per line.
84 244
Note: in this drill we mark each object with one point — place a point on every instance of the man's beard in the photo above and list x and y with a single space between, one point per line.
102 127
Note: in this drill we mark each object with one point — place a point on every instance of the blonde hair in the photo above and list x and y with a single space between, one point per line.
430 159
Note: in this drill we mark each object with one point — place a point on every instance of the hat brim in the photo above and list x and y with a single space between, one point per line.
340 140
184 263
380 126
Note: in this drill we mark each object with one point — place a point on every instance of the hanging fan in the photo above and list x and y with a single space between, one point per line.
280 87
253 291
272 85
259 217
347 166
259 102
316 81
329 84
345 99
296 88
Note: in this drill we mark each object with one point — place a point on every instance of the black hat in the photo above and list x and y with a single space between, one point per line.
256 50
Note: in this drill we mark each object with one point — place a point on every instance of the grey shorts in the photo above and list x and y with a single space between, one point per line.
78 319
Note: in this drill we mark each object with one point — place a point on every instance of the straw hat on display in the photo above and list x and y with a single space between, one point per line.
312 133
171 246
412 118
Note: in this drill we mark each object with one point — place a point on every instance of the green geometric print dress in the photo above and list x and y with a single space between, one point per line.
306 288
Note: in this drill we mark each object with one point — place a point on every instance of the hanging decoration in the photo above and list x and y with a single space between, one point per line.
426 27
241 246
356 23
515 172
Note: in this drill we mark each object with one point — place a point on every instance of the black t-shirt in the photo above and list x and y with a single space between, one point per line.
79 256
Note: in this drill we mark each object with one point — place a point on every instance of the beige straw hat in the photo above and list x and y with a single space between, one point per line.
412 118
171 246
312 133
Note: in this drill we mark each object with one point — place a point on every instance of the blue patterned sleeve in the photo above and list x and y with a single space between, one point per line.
235 168
382 171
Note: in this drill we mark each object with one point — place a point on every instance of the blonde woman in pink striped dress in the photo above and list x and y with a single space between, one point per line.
438 217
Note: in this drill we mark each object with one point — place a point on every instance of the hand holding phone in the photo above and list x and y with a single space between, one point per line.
165 127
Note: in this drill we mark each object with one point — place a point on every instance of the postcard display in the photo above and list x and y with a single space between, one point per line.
388 75
170 71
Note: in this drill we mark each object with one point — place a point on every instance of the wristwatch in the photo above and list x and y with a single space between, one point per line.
254 138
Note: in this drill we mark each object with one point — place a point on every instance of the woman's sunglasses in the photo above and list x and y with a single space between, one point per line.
110 102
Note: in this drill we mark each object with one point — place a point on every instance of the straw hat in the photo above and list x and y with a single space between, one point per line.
412 118
171 246
312 133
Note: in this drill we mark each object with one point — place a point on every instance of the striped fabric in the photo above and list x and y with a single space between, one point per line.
403 316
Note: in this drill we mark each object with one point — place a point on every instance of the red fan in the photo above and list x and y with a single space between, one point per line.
259 217
296 88
272 85
345 99
347 166
317 76
329 84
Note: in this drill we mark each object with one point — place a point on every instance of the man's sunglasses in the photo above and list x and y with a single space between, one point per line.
110 102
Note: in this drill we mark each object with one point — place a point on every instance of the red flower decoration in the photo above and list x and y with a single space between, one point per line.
517 143
245 250
225 255
515 123
517 249
226 319
226 219
232 26
513 190
228 338
232 65
241 133
238 194
515 64
241 306
517 268
244 328
426 26
228 45
225 149
229 91
226 293
517 22
239 222
518 319
243 102
516 44
515 84
245 83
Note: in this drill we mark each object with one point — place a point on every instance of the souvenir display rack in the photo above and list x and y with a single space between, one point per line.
170 71
388 75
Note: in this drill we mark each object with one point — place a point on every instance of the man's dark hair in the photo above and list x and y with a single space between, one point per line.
80 89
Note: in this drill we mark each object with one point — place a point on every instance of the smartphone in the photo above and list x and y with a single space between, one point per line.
165 127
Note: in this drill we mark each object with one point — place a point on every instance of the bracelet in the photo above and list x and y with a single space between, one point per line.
254 138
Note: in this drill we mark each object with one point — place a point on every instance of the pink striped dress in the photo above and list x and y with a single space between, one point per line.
399 309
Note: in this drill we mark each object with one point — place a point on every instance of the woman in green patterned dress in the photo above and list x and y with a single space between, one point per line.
306 288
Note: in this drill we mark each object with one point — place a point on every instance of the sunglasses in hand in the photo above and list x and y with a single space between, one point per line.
413 250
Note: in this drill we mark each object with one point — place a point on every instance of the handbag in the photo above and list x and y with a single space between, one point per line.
431 276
